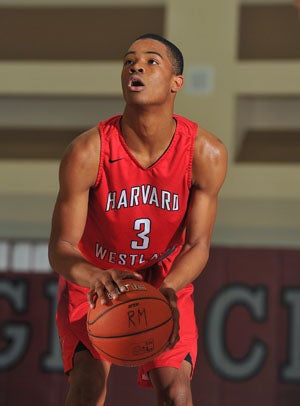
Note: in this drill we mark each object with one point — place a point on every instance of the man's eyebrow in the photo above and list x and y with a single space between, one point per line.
146 52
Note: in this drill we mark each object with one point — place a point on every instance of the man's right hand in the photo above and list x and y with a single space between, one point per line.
108 282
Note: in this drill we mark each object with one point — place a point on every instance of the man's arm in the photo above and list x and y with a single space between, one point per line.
209 171
78 173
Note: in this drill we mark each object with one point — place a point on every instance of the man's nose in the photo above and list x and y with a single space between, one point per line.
136 68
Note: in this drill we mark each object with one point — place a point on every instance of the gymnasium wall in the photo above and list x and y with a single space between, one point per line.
247 305
59 74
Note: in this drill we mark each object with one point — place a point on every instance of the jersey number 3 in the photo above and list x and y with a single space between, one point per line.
144 227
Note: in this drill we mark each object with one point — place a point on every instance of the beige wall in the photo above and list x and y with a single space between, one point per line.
259 204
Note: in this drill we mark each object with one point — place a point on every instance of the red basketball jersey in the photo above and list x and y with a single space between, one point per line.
136 216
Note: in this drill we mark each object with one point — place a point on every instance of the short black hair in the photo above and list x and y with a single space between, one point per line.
174 52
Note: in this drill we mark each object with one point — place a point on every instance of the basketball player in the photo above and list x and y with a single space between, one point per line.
137 199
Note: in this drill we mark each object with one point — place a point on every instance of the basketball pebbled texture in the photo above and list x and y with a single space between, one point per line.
132 329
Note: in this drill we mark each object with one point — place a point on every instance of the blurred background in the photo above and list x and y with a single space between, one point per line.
60 64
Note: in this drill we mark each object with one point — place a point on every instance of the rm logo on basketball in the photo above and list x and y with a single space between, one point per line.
137 317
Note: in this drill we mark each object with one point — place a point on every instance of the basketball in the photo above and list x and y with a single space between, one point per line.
132 329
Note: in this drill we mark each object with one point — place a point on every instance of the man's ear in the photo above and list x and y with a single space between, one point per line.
177 83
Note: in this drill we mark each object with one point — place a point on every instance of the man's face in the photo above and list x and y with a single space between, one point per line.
148 76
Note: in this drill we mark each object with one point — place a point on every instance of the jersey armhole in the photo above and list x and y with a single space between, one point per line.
100 165
192 147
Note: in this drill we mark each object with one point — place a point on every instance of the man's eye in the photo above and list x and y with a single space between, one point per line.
128 62
153 62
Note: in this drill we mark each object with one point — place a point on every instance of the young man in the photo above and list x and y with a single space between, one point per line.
137 199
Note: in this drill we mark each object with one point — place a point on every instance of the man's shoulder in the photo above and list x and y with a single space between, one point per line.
206 139
208 148
83 146
210 159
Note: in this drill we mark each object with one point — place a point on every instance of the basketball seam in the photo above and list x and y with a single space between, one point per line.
90 323
135 333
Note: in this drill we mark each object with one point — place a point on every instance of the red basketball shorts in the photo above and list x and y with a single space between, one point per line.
71 323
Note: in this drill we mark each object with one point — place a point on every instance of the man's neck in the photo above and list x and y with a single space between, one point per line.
147 133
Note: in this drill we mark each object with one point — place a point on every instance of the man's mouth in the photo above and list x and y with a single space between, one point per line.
135 83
